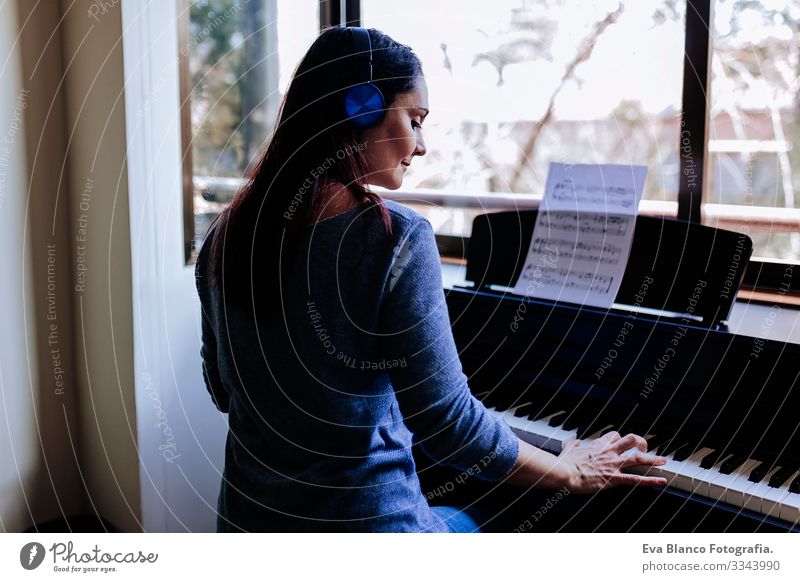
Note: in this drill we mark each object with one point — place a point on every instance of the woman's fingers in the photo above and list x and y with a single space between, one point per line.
611 436
601 461
629 441
642 459
638 480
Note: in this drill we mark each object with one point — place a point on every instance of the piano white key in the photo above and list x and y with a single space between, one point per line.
691 468
720 483
756 495
537 432
702 481
512 419
790 504
736 490
771 504
557 437
790 508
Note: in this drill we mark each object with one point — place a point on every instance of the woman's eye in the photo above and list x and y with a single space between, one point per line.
415 124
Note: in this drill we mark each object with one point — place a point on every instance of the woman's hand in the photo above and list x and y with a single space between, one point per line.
598 465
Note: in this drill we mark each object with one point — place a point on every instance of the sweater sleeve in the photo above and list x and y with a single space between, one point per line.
448 422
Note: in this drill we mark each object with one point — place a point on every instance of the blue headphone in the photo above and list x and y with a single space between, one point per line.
364 102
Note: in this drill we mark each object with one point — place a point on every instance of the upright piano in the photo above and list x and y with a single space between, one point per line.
723 408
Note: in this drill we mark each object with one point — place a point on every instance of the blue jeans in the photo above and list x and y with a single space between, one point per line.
458 520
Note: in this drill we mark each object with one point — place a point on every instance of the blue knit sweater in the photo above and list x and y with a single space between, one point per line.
324 403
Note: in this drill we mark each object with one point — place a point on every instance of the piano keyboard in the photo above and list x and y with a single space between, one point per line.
745 483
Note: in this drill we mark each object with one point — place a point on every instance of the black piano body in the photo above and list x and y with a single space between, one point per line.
649 373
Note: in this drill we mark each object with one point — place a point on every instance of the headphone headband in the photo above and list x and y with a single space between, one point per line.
362 46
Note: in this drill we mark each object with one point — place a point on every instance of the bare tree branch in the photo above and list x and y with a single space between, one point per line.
583 55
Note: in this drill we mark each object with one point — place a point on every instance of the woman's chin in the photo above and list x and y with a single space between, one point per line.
389 184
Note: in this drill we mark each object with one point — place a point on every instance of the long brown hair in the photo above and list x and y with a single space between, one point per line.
258 231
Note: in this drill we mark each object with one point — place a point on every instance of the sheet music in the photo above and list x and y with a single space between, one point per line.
583 233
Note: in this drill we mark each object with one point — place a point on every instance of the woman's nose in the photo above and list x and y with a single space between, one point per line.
420 150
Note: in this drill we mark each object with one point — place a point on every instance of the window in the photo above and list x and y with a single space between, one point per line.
516 84
237 57
753 138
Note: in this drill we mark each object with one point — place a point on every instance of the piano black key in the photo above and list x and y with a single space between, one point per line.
572 422
589 427
540 413
711 459
673 444
794 487
683 452
489 397
731 464
628 426
757 475
779 478
583 430
657 441
531 410
635 428
593 427
503 404
558 419
546 409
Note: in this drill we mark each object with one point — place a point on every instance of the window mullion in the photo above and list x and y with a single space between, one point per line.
693 144
330 13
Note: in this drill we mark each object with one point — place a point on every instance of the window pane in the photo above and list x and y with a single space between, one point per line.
516 84
753 136
242 54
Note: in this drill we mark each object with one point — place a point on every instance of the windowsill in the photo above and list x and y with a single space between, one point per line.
768 297
749 317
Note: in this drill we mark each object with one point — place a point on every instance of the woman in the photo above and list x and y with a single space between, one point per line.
326 338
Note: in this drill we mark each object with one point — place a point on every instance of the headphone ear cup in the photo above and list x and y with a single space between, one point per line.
364 105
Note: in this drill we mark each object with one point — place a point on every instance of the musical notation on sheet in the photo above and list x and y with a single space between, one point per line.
573 222
602 196
586 251
583 233
572 279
